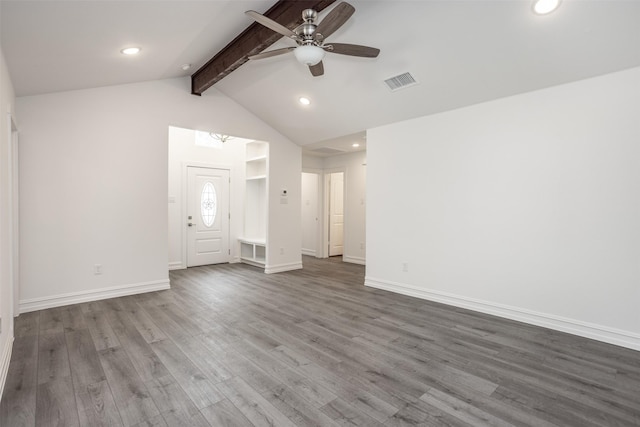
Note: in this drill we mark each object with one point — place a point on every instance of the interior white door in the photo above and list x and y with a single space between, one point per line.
309 213
207 216
336 213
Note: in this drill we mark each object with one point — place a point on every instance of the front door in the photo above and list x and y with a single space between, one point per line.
207 216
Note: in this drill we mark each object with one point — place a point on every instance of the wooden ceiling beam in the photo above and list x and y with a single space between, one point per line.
251 41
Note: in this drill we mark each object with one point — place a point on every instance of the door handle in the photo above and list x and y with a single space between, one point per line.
190 224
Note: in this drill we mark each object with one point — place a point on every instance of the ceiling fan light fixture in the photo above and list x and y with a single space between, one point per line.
542 7
309 54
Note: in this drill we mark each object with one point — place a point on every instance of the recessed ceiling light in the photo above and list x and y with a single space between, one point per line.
130 51
542 7
185 67
304 101
355 145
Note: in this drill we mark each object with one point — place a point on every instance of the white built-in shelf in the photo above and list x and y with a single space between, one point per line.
256 166
253 251
256 149
259 242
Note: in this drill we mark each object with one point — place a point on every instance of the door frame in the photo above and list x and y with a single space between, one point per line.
325 209
183 205
14 224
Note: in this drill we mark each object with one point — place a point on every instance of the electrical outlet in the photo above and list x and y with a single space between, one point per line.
405 267
97 269
361 245
281 251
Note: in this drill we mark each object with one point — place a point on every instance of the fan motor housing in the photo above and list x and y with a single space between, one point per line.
306 31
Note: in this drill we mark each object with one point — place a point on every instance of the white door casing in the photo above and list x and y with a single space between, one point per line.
336 213
15 218
207 216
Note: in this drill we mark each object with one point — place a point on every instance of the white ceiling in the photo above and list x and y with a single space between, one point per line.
339 145
54 46
461 52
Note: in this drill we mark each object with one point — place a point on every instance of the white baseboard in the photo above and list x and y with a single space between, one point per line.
283 267
258 264
42 303
576 327
354 260
177 265
5 359
309 252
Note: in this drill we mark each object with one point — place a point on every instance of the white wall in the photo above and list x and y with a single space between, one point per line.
7 102
312 162
525 207
283 232
183 151
355 198
94 185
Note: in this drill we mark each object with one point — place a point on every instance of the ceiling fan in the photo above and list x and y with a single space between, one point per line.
310 37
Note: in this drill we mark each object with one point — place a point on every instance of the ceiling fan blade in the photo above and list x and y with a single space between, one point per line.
317 70
270 23
335 19
271 53
353 50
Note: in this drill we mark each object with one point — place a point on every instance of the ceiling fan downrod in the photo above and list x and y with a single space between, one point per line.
307 31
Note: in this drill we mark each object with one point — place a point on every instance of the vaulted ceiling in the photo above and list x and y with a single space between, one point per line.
460 52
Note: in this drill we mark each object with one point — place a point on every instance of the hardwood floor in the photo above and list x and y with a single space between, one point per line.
231 346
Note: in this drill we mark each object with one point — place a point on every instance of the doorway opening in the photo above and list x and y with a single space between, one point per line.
205 197
334 185
341 182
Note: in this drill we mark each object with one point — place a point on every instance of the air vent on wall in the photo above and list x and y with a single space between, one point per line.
400 81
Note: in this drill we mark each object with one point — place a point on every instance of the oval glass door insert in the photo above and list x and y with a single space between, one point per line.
208 204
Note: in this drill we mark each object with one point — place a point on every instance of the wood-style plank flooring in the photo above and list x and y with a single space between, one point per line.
231 346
